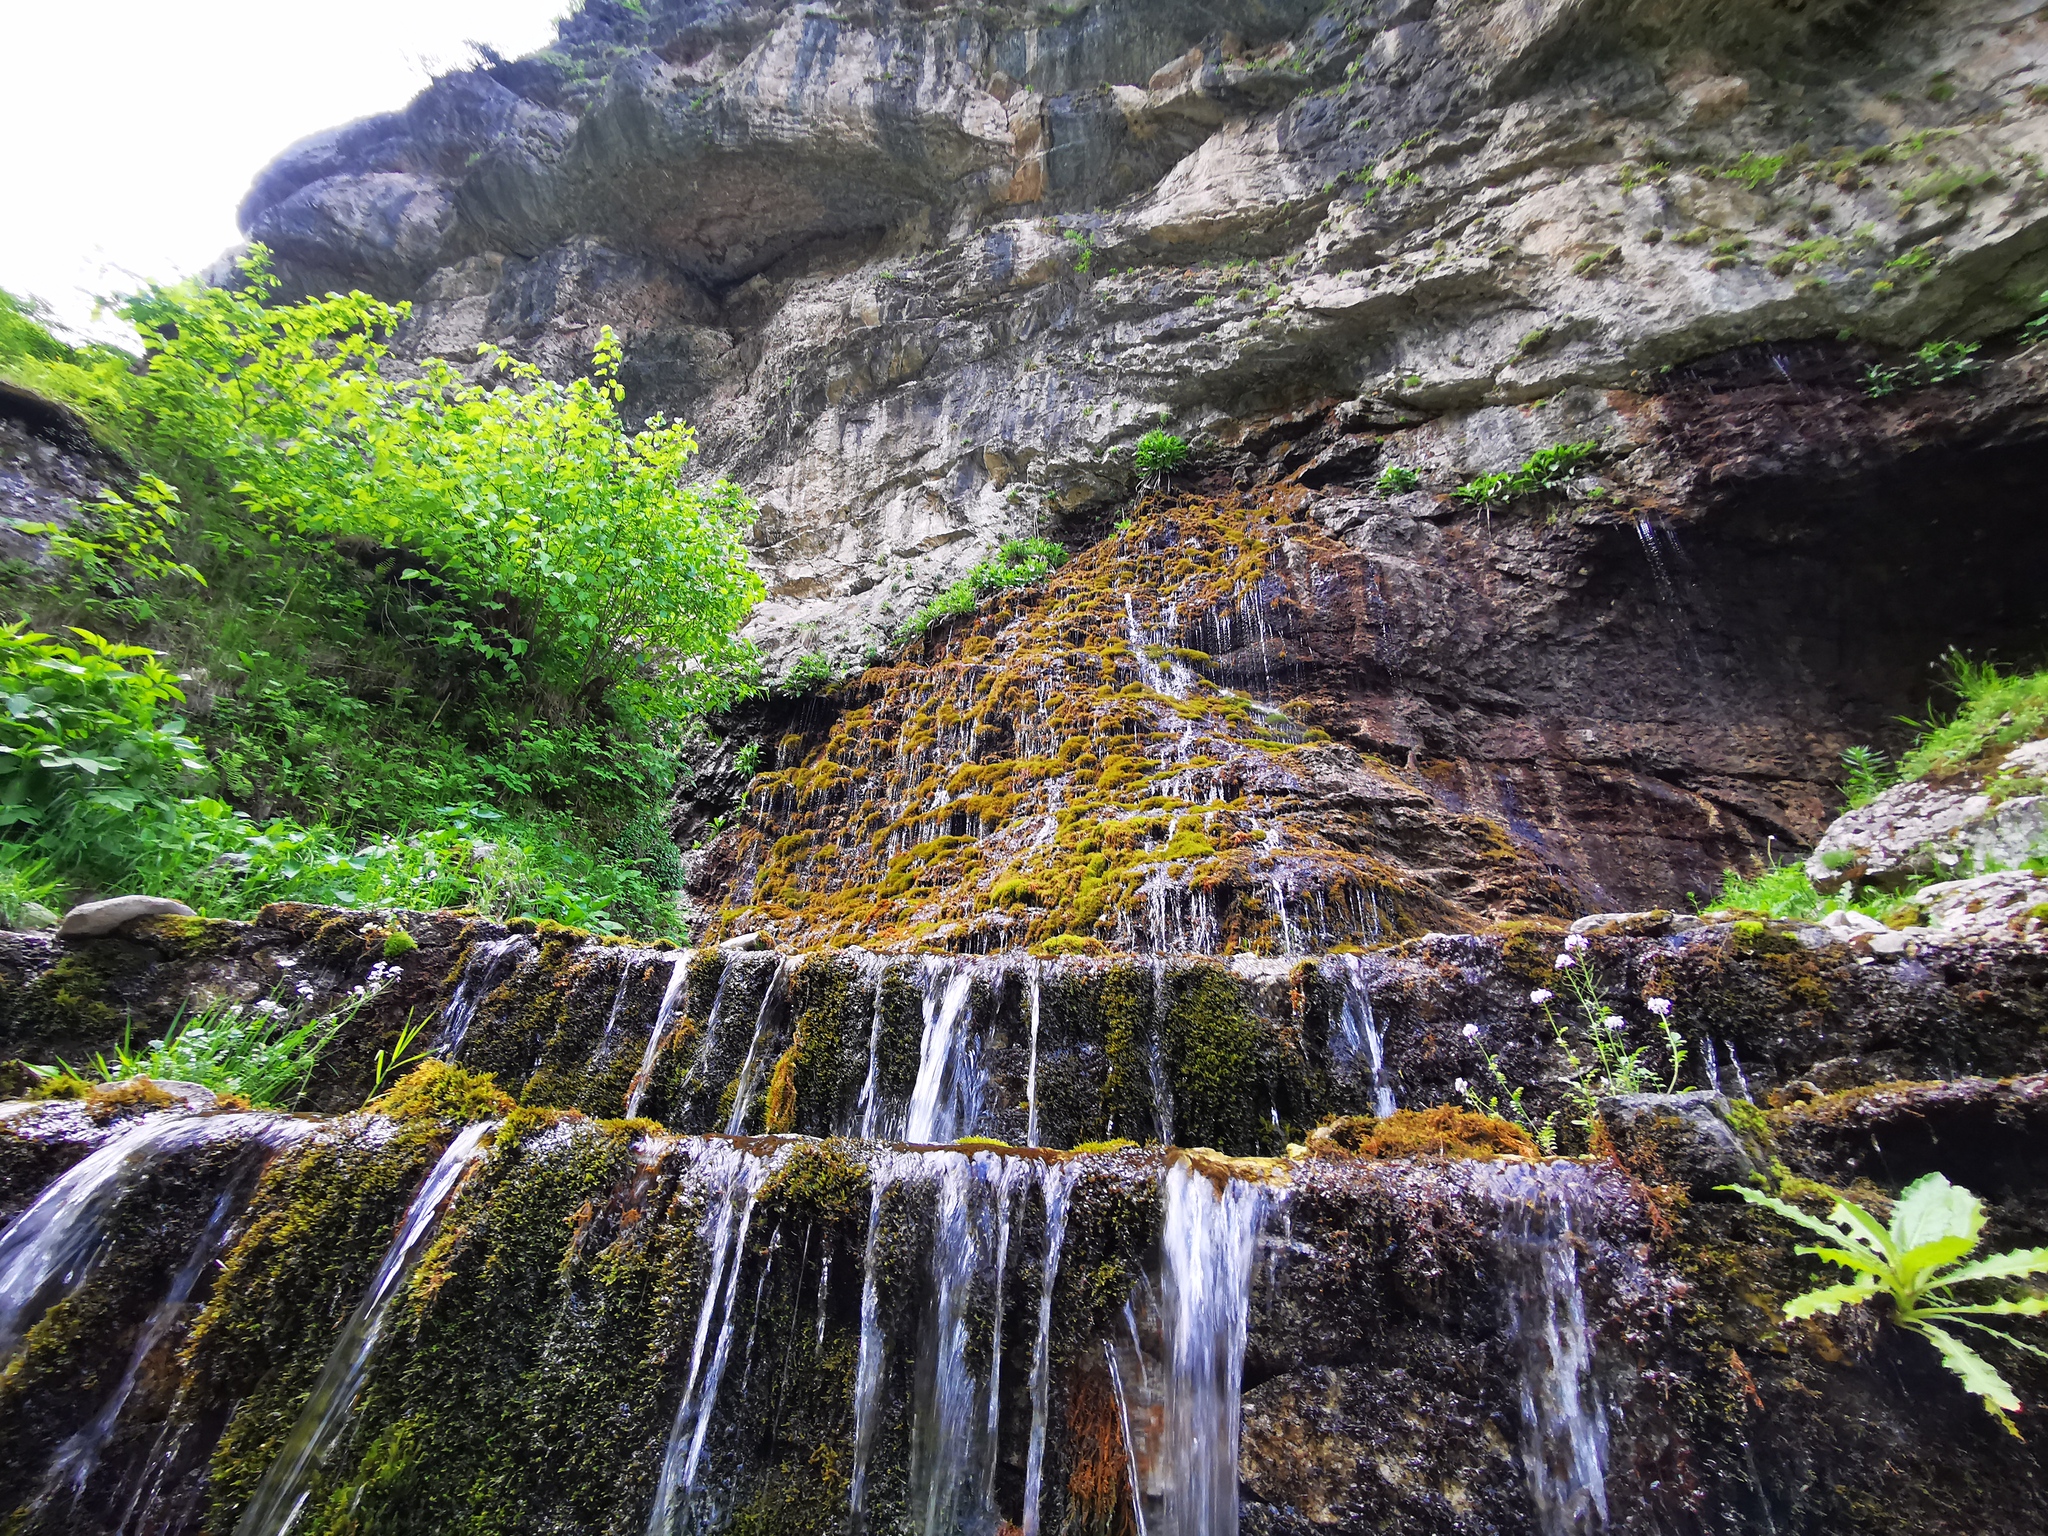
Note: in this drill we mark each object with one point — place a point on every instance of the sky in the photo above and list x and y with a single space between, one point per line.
133 127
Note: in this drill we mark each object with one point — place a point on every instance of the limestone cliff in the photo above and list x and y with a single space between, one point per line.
922 274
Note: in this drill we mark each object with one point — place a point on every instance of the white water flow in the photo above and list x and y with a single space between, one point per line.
1564 1430
950 1448
867 1376
50 1248
732 1178
945 1103
867 1110
78 1457
281 1495
1057 1184
611 1021
678 976
1208 1240
1155 1058
750 1070
1031 981
484 970
1361 1032
1713 1055
1123 1419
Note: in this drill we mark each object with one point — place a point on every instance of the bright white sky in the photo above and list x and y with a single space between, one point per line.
133 127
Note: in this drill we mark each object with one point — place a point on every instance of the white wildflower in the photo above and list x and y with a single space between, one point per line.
1574 943
1615 1021
1562 963
1460 1085
1660 1006
1541 996
1471 1031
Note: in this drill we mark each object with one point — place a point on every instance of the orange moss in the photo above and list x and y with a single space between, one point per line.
1444 1131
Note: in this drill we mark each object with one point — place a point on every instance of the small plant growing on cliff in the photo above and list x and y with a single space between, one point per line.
1938 362
1396 479
1547 469
811 671
1915 1261
748 761
1085 257
1867 773
1159 455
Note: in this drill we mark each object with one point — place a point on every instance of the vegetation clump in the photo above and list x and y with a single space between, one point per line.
1018 563
443 1092
1444 1130
413 604
1916 1263
1547 469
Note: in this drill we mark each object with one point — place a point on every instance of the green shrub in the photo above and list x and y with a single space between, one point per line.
1018 563
262 1051
1159 453
86 769
1938 362
1995 708
810 671
1396 479
551 543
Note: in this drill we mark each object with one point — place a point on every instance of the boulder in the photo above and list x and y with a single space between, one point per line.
1679 1138
93 918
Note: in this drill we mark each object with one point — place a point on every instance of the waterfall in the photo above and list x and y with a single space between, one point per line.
1361 1031
1208 1240
56 1241
945 1104
484 970
1564 1430
75 1461
282 1493
867 1377
1031 981
1155 1058
1123 1419
867 1109
732 1177
750 1070
678 977
1056 1186
952 1447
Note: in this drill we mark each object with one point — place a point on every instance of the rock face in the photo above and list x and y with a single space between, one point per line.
922 276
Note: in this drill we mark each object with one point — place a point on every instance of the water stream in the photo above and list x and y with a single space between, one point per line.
731 1177
275 1505
1208 1240
1564 1427
1360 1030
484 970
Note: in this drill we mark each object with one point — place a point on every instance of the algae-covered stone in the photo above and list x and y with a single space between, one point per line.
1678 1138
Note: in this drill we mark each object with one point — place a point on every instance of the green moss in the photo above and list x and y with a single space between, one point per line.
445 1094
819 1181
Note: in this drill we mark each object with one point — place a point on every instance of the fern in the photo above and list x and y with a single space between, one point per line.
1917 1262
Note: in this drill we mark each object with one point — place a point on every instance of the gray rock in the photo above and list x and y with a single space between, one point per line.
1919 829
1679 1138
92 918
1654 924
2005 906
743 941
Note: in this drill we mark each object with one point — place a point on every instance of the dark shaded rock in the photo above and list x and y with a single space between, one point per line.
1679 1138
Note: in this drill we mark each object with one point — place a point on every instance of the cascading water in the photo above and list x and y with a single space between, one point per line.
678 980
49 1249
275 1505
1564 1428
952 1448
945 1103
1056 1186
867 1379
1360 1030
1208 1241
731 1177
750 1070
484 970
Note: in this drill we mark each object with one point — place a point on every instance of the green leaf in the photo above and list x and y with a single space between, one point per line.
1976 1373
1931 1208
1791 1213
2019 1262
1832 1298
